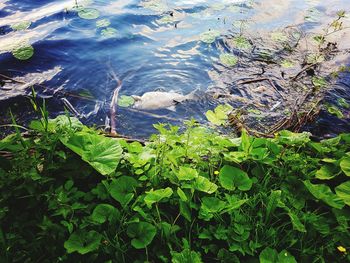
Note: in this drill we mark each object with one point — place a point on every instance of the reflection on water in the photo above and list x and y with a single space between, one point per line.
154 46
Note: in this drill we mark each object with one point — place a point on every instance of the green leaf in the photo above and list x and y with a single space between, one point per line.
287 63
274 198
297 225
100 152
103 213
231 177
181 194
23 52
157 195
343 103
186 173
241 42
210 36
109 32
142 234
334 110
88 13
228 60
345 165
212 204
285 257
319 82
220 115
83 242
122 189
186 256
204 185
324 193
326 172
279 37
103 23
21 25
343 192
268 255
291 138
126 101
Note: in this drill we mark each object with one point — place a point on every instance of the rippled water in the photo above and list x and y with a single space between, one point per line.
150 46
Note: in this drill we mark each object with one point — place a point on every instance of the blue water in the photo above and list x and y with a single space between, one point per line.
146 54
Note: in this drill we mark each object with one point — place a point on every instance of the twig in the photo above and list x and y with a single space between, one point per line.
303 70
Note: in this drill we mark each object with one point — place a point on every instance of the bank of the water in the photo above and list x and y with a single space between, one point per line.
71 194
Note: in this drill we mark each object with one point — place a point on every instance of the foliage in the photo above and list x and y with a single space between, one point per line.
69 194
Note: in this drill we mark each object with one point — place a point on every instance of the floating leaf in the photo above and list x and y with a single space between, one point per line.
228 60
142 234
24 52
343 103
345 165
126 101
21 25
324 193
241 42
109 32
287 63
154 196
210 36
122 189
103 23
88 13
343 192
83 242
231 178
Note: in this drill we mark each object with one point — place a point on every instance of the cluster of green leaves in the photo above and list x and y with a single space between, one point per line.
69 194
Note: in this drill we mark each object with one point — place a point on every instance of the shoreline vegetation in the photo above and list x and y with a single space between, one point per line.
71 194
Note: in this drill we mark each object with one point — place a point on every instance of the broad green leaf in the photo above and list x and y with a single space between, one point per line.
334 110
186 173
154 196
126 101
345 165
228 60
103 23
210 36
319 82
88 13
83 242
103 213
100 152
185 211
245 142
343 103
21 25
326 172
343 191
241 42
186 256
220 115
109 32
212 204
231 178
297 225
181 194
23 52
204 185
122 189
268 255
324 193
142 234
285 257
273 200
292 138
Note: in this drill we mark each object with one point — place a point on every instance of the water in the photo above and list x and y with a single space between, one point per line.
151 46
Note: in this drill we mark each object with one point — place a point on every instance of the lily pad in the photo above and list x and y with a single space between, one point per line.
228 60
103 23
210 36
89 13
241 42
109 32
126 101
21 25
24 52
